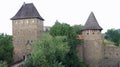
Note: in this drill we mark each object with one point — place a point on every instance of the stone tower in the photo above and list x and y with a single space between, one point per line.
92 48
27 26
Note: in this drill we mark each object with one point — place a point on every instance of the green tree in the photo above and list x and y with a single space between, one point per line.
3 64
71 59
48 52
6 48
60 29
77 29
113 35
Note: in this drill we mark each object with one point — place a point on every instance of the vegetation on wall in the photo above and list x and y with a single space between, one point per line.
6 48
113 35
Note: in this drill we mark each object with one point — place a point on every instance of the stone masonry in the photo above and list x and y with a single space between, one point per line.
27 26
92 51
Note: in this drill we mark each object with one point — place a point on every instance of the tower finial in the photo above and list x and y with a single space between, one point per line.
24 3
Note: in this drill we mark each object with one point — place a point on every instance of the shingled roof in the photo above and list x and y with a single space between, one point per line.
27 11
91 23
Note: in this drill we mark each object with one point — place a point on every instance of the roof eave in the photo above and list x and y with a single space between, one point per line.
27 18
91 29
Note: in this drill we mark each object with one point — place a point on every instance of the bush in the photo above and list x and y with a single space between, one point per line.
49 52
3 64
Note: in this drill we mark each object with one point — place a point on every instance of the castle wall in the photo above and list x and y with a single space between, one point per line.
110 63
112 52
111 57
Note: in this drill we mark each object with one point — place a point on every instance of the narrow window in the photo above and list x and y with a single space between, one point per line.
31 41
117 54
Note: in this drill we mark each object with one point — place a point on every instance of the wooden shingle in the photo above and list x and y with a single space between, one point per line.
27 11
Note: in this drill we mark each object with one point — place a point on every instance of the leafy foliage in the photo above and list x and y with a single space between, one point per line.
71 59
113 35
58 50
60 29
77 29
6 48
3 64
49 52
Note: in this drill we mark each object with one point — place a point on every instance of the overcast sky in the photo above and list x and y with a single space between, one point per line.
73 12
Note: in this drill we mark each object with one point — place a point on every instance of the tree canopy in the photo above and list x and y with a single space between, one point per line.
6 48
77 29
60 29
49 52
3 64
57 49
71 32
113 35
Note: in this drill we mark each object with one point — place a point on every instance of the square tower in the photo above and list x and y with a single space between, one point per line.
27 26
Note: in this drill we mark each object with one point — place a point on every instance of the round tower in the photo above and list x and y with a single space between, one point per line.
92 47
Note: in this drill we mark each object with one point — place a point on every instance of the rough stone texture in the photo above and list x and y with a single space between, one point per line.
25 31
27 26
110 63
112 52
108 56
92 48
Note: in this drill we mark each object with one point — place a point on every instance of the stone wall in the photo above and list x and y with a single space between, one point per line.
111 52
109 63
111 57
25 31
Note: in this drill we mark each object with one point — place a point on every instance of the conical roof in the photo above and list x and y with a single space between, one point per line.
91 23
27 11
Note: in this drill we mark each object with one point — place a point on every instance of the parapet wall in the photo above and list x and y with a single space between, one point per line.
111 52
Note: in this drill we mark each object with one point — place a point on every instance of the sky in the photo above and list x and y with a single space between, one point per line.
73 12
